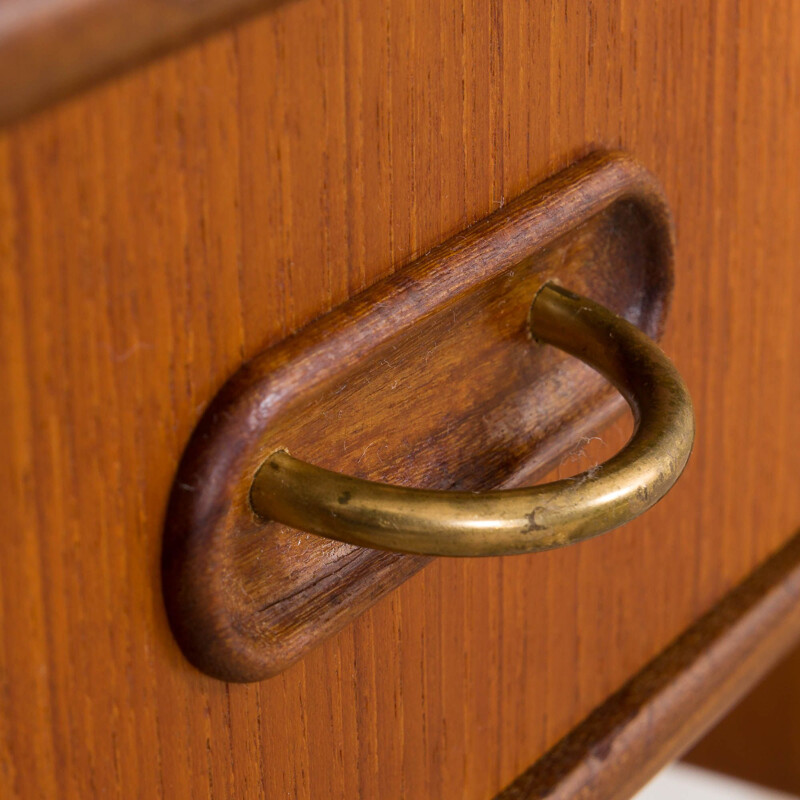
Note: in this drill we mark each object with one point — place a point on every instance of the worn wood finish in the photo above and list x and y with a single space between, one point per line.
49 48
428 379
669 704
159 231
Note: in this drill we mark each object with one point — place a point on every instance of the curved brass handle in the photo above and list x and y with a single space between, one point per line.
551 515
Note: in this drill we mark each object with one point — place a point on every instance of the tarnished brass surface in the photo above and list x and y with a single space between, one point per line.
446 523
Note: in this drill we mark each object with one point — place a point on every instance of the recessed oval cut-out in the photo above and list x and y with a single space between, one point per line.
428 378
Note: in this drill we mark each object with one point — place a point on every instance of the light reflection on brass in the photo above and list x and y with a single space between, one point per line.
512 521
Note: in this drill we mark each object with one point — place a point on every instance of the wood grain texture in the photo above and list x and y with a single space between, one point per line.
429 378
759 741
159 231
680 694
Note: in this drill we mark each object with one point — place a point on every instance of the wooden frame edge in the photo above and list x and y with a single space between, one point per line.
52 48
679 695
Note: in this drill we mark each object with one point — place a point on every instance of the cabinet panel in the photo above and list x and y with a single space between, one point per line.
161 229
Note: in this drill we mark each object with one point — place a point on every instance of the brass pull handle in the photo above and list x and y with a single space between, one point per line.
449 523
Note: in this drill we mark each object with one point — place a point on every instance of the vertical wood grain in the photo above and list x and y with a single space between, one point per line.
159 230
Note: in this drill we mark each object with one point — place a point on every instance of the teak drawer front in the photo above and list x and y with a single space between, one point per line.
161 229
